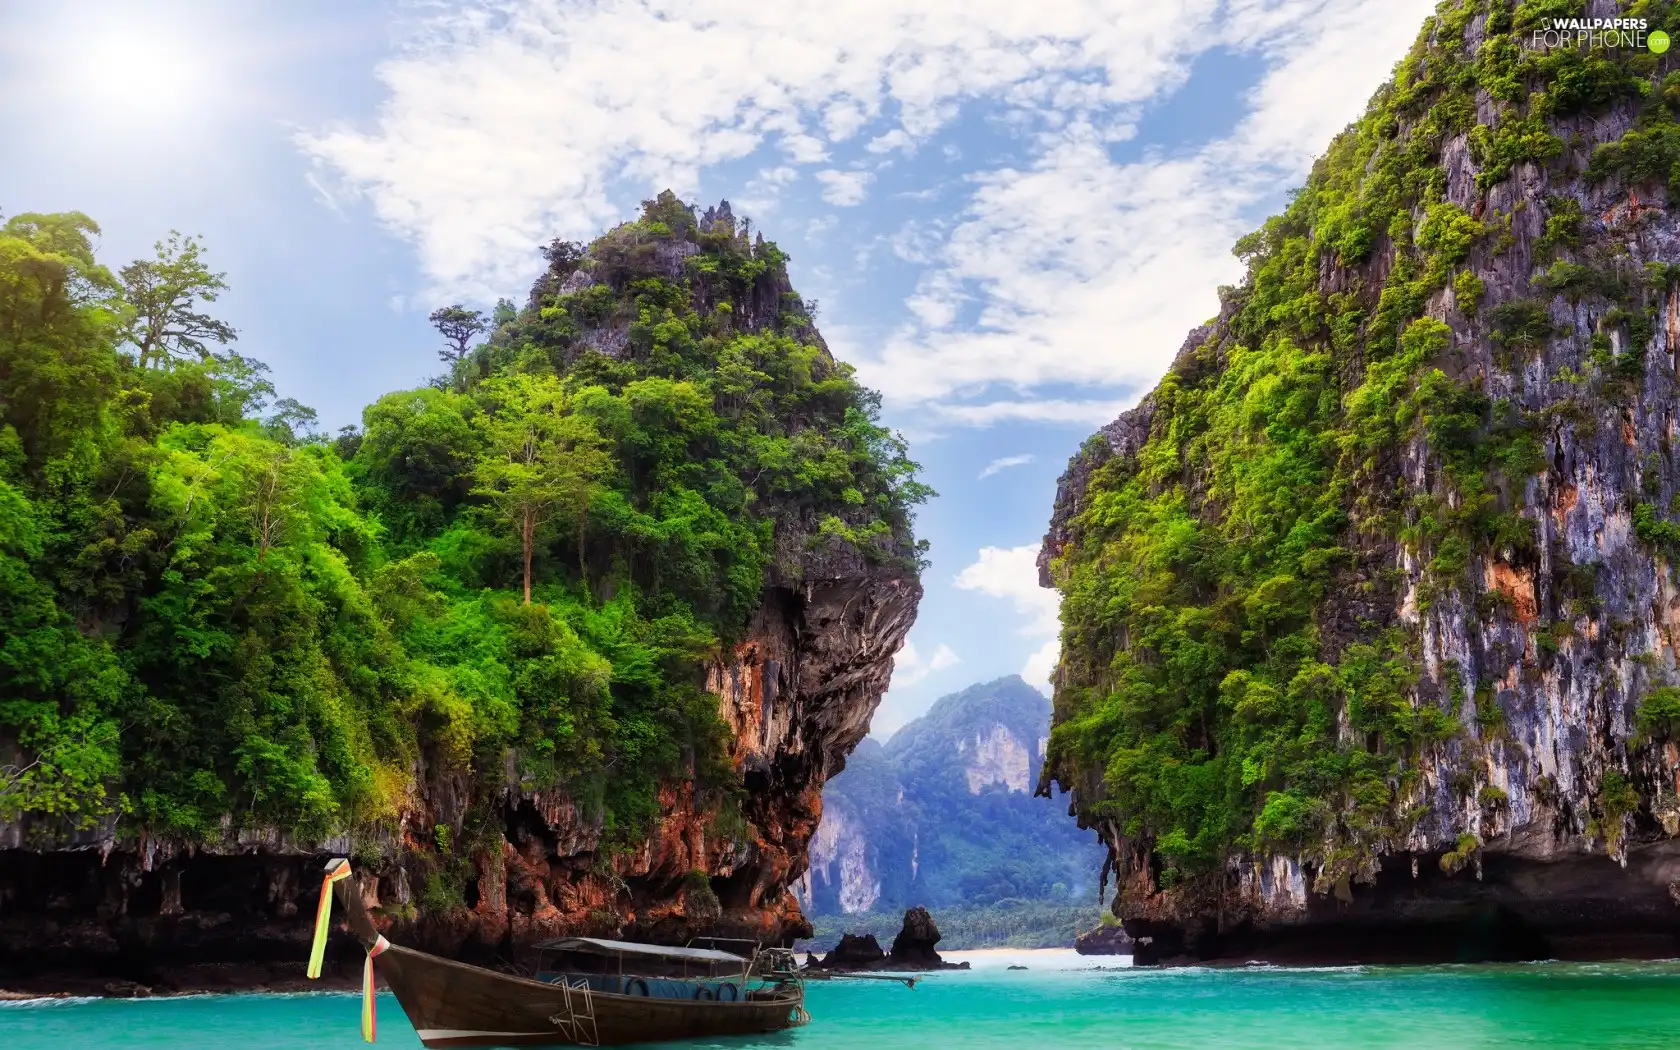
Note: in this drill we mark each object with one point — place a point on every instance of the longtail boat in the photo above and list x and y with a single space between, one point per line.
585 992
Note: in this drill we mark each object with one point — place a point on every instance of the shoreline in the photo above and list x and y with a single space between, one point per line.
1048 959
991 953
175 982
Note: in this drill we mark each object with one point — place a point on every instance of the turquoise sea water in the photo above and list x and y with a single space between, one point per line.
1059 1002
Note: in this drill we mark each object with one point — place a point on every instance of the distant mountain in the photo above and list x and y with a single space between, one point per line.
943 814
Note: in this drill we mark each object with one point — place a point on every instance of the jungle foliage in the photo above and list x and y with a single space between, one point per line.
212 618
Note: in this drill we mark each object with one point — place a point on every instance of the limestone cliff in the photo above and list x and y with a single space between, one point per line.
1370 608
481 857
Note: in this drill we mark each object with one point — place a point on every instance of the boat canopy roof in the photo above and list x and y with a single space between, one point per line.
598 946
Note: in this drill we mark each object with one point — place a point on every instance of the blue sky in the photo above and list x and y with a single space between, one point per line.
1010 214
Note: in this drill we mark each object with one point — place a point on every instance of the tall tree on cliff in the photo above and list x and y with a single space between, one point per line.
541 459
459 326
163 322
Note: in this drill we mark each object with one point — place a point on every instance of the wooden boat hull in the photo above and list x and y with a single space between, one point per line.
453 1004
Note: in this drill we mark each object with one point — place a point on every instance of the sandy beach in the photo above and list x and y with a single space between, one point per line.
1033 958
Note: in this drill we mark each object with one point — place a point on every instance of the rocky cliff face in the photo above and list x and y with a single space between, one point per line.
840 861
479 863
1370 609
865 845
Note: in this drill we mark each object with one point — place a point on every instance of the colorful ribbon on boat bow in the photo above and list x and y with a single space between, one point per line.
337 871
379 945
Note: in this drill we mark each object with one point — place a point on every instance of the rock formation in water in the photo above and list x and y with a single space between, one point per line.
943 814
912 948
1104 940
854 952
915 943
1370 608
670 708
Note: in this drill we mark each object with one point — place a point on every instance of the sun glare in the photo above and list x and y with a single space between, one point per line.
140 72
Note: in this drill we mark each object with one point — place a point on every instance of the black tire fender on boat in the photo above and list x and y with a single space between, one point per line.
704 993
728 993
635 986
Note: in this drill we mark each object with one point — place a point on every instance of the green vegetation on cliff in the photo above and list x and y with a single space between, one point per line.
1202 681
214 619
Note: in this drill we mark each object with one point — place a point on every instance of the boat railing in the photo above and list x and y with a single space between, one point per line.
576 1019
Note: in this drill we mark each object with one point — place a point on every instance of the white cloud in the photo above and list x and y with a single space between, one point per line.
1061 259
913 243
845 189
910 667
1041 665
1068 413
1011 573
1089 271
763 190
845 117
507 122
804 149
1005 463
894 139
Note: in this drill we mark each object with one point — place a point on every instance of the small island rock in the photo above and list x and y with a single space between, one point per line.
1104 940
854 952
914 944
912 949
